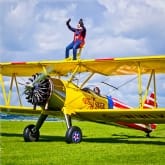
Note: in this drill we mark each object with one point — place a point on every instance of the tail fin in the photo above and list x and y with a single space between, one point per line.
149 104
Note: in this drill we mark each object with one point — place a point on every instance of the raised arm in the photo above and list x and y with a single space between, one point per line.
68 25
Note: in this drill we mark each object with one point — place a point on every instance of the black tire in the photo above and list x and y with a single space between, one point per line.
30 134
73 135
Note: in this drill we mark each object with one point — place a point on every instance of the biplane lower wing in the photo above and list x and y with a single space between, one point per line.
28 110
19 109
146 116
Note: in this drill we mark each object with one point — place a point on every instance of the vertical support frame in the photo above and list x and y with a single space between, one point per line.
16 83
139 86
3 89
154 81
10 90
147 89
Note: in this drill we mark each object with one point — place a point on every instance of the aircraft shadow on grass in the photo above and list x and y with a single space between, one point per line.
125 139
43 138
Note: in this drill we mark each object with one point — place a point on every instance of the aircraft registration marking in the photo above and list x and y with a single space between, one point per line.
92 103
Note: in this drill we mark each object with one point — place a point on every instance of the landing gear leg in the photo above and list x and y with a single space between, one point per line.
40 121
148 134
68 121
31 132
73 133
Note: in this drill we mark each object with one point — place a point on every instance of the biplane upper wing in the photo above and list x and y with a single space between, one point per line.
109 66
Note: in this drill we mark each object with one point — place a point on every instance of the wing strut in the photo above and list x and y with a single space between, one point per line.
73 74
155 99
3 88
139 85
16 83
7 95
13 79
87 80
152 76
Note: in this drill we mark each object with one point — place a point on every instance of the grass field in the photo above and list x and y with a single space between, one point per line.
101 145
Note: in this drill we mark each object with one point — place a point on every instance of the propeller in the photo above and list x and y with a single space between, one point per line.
38 88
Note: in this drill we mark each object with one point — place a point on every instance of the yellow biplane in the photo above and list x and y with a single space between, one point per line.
51 90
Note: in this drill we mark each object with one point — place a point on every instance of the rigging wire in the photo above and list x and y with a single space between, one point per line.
121 85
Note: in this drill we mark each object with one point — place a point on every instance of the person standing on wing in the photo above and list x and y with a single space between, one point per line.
78 40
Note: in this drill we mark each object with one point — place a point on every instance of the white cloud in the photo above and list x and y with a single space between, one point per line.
140 25
133 16
51 29
33 27
20 13
56 14
18 22
117 46
158 4
47 40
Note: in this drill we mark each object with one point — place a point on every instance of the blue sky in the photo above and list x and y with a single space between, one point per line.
33 30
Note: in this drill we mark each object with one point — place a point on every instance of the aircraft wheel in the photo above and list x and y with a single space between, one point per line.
73 135
30 134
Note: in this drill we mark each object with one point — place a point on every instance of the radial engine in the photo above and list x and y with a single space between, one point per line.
49 93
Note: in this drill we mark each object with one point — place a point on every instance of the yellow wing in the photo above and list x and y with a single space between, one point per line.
145 116
28 110
109 66
19 109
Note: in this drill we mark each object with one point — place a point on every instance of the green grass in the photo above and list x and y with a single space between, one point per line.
101 145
